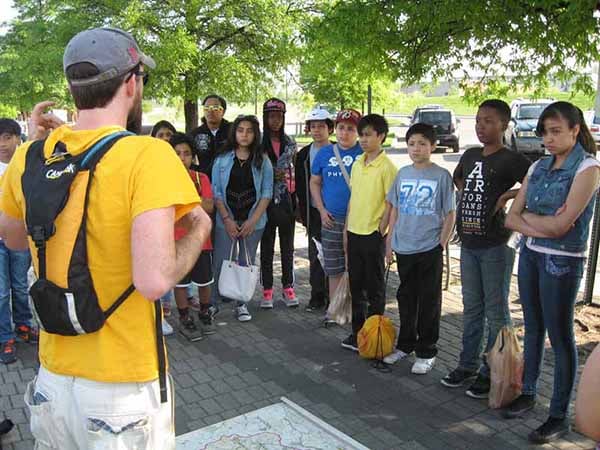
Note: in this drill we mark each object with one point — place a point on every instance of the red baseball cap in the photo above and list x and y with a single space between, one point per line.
348 115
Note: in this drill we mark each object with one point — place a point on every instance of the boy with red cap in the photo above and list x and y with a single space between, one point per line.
330 190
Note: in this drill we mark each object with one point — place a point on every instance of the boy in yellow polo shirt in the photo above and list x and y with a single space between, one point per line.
367 221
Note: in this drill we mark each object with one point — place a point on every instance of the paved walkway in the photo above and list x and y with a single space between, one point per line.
287 352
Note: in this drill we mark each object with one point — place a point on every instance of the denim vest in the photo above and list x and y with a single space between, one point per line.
548 190
263 183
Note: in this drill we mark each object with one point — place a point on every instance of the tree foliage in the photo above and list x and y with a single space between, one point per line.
200 46
486 42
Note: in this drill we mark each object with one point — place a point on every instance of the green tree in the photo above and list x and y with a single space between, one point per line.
200 46
521 42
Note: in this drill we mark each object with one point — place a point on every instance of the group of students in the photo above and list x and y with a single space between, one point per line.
246 181
361 199
360 213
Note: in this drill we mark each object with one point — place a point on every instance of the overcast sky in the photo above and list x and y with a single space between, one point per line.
7 12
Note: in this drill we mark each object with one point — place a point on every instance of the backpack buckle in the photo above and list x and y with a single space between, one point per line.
41 233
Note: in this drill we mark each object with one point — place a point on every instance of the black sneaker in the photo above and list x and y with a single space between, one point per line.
480 387
207 321
551 430
189 329
519 406
8 352
213 310
350 343
458 377
315 304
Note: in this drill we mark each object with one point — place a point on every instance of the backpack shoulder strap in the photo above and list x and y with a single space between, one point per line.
100 148
340 162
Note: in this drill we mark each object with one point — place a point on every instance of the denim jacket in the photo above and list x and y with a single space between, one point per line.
548 190
263 183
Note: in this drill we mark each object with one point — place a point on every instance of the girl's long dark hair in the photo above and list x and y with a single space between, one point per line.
162 124
256 150
574 116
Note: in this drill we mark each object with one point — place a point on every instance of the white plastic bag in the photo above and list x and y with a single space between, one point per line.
340 306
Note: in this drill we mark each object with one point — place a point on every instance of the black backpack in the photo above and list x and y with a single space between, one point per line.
56 192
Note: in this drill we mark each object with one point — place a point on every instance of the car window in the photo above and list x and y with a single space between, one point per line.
435 117
530 111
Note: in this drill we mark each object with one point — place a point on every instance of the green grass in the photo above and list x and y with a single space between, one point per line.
303 140
455 102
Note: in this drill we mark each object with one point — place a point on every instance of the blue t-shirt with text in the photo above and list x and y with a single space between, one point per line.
334 189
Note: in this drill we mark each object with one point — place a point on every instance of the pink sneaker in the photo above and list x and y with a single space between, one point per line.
267 300
289 297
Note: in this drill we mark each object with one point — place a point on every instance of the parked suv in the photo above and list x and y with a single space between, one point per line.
520 134
445 123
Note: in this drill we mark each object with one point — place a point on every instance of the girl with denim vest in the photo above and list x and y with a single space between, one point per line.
242 183
553 211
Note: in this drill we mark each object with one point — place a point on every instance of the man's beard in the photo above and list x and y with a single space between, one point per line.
134 118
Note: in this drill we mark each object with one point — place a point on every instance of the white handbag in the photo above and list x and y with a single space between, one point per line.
238 282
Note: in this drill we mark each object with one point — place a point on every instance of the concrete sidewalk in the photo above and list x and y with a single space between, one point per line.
245 366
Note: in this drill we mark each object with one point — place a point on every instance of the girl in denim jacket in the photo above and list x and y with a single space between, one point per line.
242 183
553 211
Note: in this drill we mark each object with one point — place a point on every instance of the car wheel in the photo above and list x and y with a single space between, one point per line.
513 144
456 147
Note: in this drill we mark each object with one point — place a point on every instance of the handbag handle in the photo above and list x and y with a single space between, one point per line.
242 243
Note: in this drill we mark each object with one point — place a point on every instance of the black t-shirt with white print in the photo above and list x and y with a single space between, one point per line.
486 178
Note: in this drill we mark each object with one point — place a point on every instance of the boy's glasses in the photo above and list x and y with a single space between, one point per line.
213 108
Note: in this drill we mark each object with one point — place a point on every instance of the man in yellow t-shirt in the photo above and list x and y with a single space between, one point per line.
372 177
100 390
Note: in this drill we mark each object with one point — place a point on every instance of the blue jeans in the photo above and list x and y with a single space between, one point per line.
221 252
485 275
548 286
13 285
168 298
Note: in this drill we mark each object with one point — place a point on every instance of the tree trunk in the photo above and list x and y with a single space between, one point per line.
190 103
190 109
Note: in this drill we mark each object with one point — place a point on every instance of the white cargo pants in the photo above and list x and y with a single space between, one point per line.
69 413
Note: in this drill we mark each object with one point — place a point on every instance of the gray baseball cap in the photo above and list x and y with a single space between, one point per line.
112 51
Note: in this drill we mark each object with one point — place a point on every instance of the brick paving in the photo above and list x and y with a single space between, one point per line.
287 352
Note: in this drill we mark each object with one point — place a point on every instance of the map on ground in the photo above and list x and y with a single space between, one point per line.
284 425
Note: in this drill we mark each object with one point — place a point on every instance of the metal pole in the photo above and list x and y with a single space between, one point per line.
590 275
369 99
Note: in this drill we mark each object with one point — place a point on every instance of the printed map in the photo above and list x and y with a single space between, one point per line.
283 425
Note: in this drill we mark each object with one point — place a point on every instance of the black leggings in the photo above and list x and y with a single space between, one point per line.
279 217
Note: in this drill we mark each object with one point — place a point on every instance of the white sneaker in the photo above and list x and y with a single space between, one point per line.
242 313
166 328
423 366
395 356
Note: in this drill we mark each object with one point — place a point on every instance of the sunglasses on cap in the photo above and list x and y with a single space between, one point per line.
137 73
213 108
